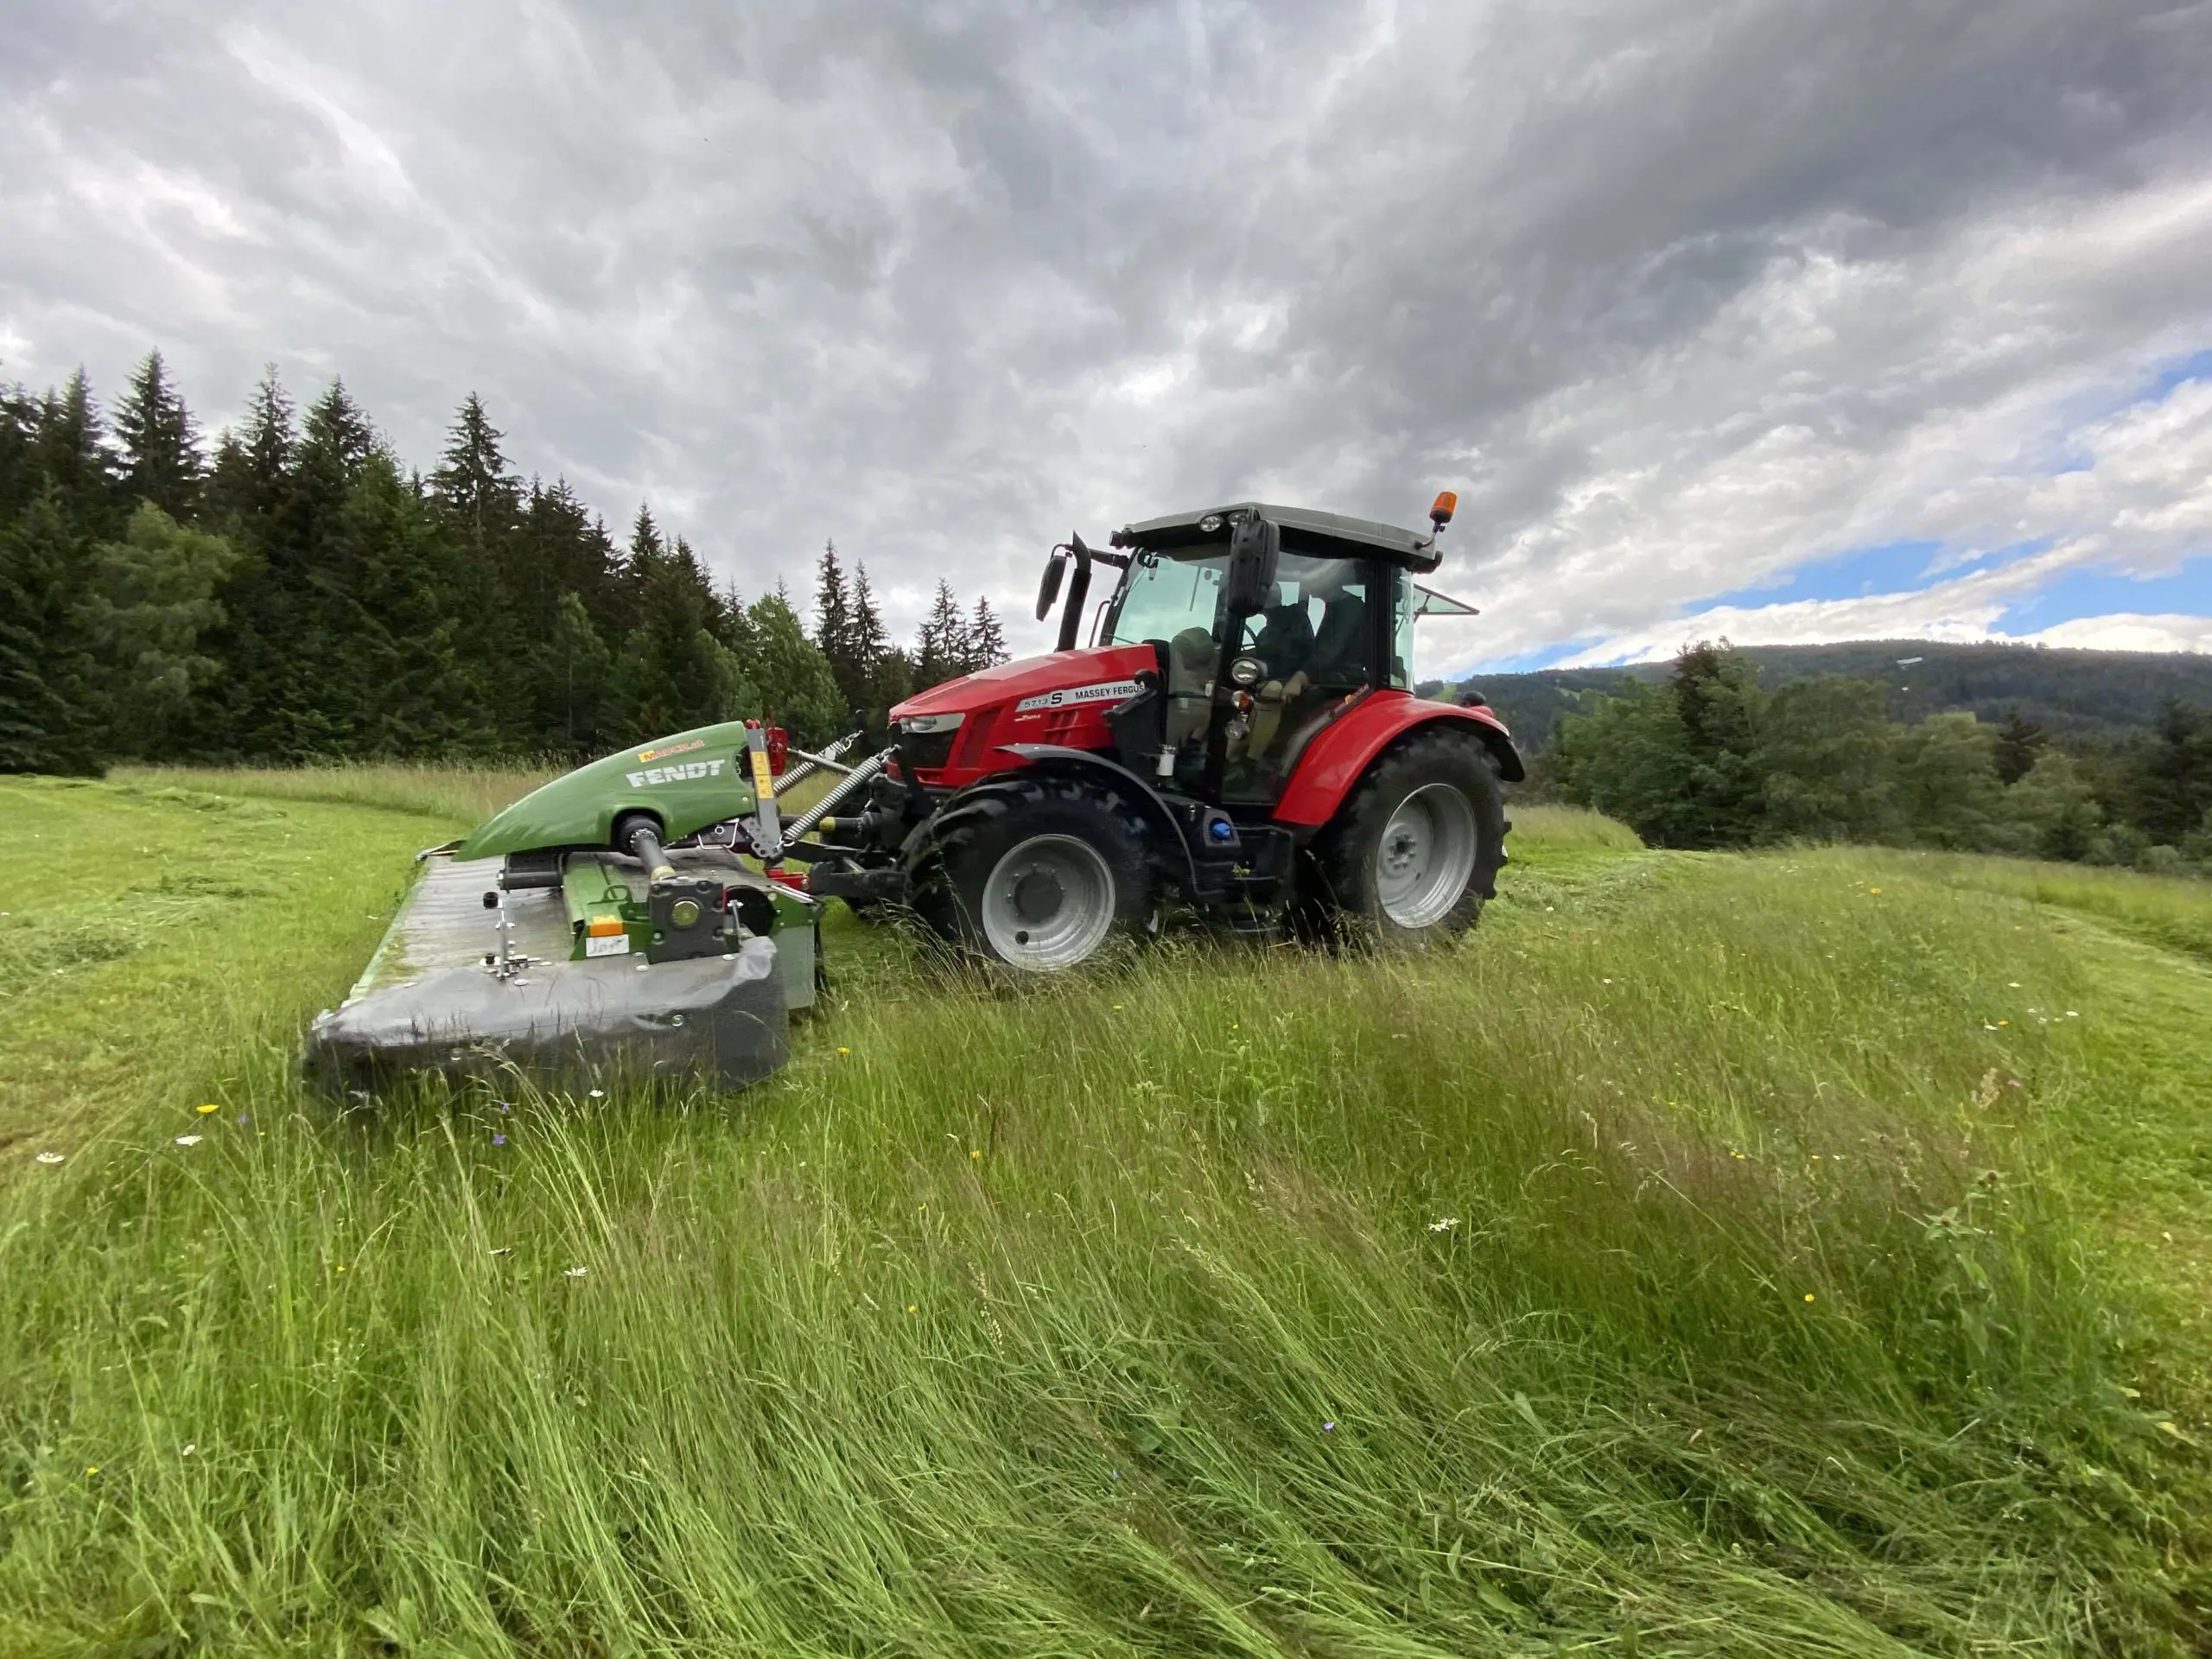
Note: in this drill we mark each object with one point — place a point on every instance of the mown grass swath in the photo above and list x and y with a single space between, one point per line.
1705 1259
468 790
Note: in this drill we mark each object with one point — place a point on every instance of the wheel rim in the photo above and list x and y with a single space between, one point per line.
1427 856
1048 903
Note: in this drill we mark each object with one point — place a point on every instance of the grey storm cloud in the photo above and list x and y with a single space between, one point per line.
1678 294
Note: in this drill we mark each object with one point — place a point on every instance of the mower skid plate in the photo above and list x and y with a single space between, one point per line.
428 1003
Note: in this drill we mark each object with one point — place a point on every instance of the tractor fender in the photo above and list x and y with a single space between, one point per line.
1057 756
1341 752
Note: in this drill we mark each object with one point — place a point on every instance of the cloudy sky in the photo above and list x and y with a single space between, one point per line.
1780 319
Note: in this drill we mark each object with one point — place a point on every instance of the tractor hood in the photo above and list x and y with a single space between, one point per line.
1064 677
688 781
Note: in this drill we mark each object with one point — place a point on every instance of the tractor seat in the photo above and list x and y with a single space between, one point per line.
1190 664
1190 684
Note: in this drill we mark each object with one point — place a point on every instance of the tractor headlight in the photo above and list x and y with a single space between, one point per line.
922 725
1247 672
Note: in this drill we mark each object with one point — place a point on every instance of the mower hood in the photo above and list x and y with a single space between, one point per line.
688 781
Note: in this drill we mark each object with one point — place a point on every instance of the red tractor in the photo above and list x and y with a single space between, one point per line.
1241 737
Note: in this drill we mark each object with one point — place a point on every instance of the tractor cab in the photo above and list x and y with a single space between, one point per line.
1265 623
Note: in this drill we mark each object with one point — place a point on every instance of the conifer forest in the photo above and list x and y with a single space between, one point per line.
292 590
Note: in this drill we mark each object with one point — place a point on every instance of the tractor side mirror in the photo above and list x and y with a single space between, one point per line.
1250 584
1048 590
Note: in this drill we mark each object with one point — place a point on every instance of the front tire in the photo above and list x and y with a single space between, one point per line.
1414 852
1040 873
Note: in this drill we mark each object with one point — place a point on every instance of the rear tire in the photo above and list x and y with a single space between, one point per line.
1414 852
1040 873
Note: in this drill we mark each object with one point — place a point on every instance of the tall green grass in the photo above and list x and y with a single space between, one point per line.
464 791
1555 830
2175 911
1685 1265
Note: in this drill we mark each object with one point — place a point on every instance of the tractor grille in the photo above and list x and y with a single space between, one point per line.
926 751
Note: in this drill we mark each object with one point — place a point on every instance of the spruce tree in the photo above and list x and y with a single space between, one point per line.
940 649
322 561
161 461
243 499
70 455
477 496
2168 786
46 677
561 548
271 436
692 572
870 638
675 671
832 610
500 606
986 639
338 439
559 610
18 435
411 683
838 629
2020 741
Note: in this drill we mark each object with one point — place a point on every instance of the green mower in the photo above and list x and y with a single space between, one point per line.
618 937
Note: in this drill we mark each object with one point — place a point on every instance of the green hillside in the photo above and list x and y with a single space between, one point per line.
1802 1253
2078 693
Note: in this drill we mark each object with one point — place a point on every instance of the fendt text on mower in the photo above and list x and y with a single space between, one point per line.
1240 739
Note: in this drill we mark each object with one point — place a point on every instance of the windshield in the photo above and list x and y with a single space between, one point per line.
1163 597
1317 625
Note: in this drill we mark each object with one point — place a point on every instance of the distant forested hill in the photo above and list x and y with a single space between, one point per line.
2071 694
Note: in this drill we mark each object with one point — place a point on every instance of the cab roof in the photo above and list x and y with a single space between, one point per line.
1305 530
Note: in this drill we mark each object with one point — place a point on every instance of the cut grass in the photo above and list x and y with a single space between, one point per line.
155 936
1229 1302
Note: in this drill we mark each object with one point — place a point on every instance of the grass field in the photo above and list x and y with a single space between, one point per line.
1802 1254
